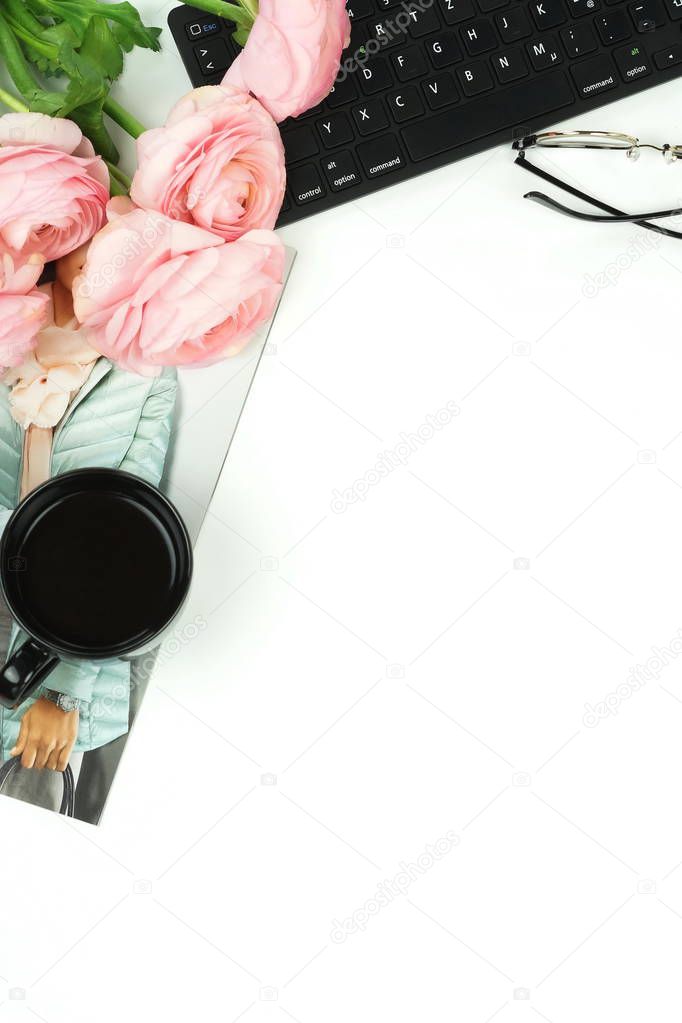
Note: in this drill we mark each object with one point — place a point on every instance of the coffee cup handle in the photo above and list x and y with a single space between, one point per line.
24 671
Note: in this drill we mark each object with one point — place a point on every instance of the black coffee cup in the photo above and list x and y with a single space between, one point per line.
94 564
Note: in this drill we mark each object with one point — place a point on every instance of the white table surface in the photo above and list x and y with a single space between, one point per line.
419 664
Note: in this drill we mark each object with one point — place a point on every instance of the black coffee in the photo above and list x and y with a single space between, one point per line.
97 570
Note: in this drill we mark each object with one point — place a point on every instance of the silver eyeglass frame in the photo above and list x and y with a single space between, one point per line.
605 140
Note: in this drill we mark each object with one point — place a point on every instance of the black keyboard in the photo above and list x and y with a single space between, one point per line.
428 82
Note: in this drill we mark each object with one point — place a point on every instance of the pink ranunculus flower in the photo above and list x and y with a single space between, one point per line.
156 292
292 55
19 275
21 318
217 163
53 188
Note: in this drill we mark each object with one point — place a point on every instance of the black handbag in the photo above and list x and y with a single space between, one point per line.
68 798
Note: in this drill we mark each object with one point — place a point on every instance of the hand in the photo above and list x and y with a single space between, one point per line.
46 736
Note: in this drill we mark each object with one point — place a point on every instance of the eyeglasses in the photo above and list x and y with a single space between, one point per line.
604 140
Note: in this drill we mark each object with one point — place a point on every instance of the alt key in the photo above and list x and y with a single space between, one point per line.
341 171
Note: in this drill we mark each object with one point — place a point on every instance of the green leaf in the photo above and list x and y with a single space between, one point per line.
90 120
102 49
129 28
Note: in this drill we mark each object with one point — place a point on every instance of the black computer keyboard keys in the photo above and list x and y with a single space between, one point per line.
424 82
405 104
341 171
444 50
299 144
335 130
479 37
632 62
381 156
513 25
594 76
544 53
475 78
370 117
515 104
510 65
548 13
613 27
375 76
305 184
579 40
455 11
409 63
440 90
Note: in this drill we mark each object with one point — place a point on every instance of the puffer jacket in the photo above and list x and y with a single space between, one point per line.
117 421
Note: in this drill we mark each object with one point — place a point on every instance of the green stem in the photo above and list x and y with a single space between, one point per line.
241 14
15 10
47 49
10 101
15 60
119 176
116 188
121 116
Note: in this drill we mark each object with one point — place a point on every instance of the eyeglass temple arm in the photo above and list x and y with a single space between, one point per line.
614 215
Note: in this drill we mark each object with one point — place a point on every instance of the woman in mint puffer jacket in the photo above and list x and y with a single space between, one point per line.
114 420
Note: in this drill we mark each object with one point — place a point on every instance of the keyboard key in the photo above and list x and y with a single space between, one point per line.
440 91
299 144
343 91
579 40
455 11
213 56
479 37
487 6
388 32
306 184
613 27
201 29
594 76
444 50
544 53
341 171
375 76
475 78
383 5
519 104
370 117
380 156
406 104
510 65
423 21
669 57
359 9
674 8
579 8
513 25
335 130
647 15
548 13
632 62
409 63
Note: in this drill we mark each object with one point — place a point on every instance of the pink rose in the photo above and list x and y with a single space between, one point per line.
21 318
217 163
292 55
53 189
156 292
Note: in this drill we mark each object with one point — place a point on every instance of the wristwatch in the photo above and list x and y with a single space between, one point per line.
65 703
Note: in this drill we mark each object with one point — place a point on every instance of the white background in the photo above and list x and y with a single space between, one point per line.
369 681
